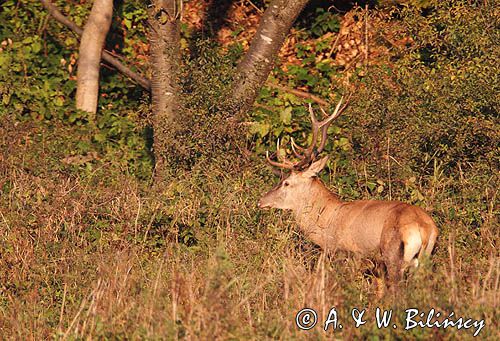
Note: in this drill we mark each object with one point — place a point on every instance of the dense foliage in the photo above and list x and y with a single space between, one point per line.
38 72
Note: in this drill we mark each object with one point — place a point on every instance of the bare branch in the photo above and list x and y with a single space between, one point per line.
106 56
299 93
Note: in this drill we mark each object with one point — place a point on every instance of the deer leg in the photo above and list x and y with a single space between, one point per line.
392 254
393 265
379 272
432 240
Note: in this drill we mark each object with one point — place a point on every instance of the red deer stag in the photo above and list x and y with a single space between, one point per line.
401 232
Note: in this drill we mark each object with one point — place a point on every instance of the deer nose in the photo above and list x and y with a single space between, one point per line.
261 204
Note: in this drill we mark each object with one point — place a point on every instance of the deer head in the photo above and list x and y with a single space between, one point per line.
289 193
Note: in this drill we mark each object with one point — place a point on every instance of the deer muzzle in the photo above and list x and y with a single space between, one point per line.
268 199
263 204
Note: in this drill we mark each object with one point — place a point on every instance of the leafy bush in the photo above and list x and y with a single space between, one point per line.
38 78
205 127
439 101
436 105
31 67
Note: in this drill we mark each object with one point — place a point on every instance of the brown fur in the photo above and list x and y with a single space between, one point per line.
401 232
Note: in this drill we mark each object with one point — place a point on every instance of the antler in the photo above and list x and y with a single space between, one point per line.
284 163
318 128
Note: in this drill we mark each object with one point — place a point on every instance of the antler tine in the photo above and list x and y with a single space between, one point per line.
315 128
295 152
309 151
326 123
335 114
309 154
278 155
284 163
278 164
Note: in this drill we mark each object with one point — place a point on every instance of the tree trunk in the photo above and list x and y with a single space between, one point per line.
165 62
89 61
106 56
253 70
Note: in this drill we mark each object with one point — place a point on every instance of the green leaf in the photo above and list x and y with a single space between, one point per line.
260 128
59 101
70 41
36 47
6 98
286 115
5 60
100 137
128 23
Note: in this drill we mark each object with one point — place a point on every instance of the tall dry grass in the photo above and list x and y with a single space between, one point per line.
95 254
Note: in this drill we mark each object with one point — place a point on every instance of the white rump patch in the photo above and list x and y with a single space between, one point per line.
412 244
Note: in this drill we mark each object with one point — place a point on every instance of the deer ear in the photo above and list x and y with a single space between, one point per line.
315 167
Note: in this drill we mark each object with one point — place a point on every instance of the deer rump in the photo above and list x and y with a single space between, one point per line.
401 232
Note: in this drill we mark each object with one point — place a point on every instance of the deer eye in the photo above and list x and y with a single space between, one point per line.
286 183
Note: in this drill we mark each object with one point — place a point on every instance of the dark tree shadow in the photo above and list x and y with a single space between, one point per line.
214 19
336 6
115 41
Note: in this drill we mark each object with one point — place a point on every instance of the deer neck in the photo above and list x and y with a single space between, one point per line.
317 212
